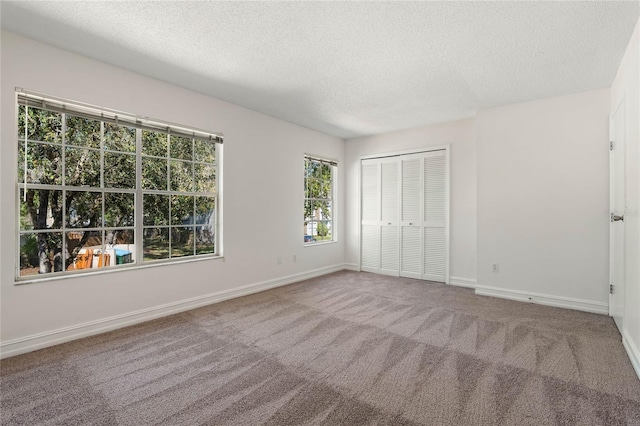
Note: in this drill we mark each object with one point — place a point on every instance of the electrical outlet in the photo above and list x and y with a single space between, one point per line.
494 267
294 258
279 260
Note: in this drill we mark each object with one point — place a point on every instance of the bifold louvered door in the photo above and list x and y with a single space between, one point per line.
405 215
435 217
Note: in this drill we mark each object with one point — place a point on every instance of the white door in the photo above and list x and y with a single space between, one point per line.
436 217
617 207
411 226
389 216
370 212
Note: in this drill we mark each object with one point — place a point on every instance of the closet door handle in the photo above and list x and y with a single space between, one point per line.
616 218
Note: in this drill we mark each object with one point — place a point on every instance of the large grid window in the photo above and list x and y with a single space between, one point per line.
97 189
318 199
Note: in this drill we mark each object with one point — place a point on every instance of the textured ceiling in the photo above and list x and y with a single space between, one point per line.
348 68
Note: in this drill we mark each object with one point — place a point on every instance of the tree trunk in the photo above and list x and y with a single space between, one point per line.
41 223
57 259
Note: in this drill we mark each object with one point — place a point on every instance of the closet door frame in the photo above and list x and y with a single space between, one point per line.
447 149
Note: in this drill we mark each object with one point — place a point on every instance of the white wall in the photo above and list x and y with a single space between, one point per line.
543 197
463 218
263 196
627 85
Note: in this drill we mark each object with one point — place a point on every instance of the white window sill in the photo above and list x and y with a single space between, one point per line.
54 276
320 243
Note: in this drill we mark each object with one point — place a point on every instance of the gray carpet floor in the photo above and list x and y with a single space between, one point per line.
344 349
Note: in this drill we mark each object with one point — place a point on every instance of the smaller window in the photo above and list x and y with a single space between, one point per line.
319 207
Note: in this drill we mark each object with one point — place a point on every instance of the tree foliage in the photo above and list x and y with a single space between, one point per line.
322 229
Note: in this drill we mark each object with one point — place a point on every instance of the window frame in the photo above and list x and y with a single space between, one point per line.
138 124
333 164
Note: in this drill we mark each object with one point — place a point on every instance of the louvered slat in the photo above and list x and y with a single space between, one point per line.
389 193
370 191
411 251
435 253
370 247
411 187
434 188
389 249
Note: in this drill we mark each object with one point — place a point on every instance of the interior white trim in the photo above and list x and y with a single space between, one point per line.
632 351
544 299
405 152
45 339
352 267
463 282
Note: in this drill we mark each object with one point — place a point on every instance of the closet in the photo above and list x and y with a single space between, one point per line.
404 212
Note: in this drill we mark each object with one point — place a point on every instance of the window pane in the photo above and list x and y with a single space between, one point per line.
119 138
308 210
181 176
44 163
182 210
311 231
205 175
154 143
41 253
85 250
29 259
154 173
45 126
309 225
156 209
181 148
182 243
317 188
41 210
205 211
322 210
155 243
323 230
205 240
83 132
84 209
204 151
119 170
120 245
118 209
321 171
308 170
82 167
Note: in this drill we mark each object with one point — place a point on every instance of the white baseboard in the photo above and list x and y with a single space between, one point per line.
632 351
462 282
351 267
544 299
66 334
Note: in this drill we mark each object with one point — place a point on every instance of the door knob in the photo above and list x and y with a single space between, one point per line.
615 217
